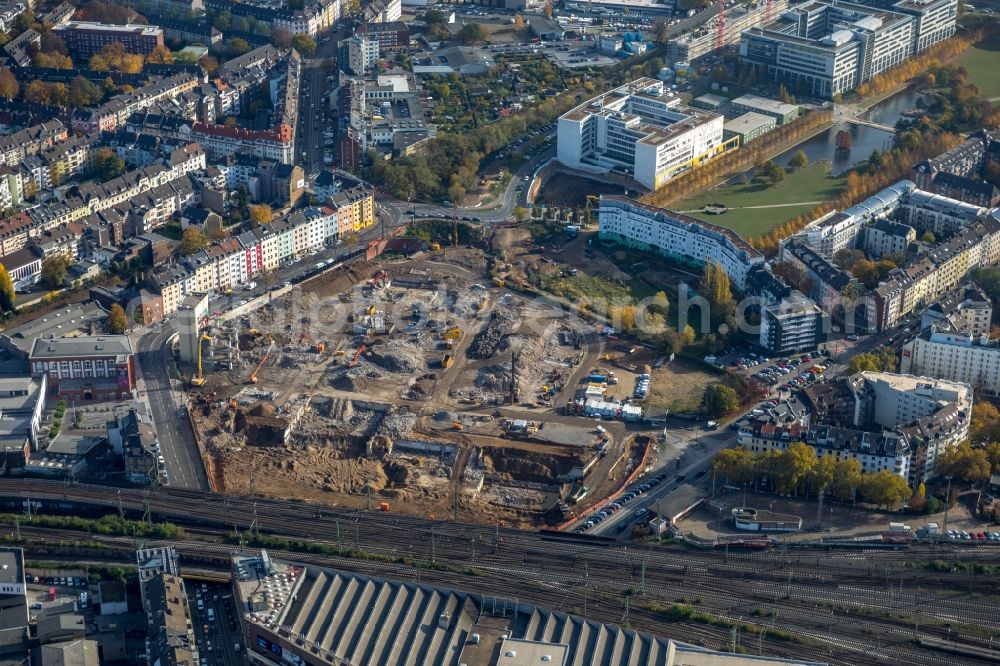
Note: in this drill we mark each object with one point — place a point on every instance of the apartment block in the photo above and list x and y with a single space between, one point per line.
678 236
84 38
794 324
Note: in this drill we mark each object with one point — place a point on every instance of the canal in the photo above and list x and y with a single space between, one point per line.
864 139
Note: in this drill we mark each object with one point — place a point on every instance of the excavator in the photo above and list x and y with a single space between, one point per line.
354 359
199 378
253 377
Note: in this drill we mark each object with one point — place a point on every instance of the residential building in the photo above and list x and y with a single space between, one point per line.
928 276
970 190
86 368
84 38
383 11
678 236
966 159
886 238
828 48
794 324
782 112
937 213
838 230
170 637
391 36
362 54
894 422
967 308
956 355
875 452
220 141
642 129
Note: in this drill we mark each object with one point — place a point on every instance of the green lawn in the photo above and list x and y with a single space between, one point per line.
797 194
981 62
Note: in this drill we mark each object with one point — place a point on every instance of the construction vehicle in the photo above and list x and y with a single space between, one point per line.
319 347
253 332
455 425
435 247
199 378
498 282
453 333
267 355
446 361
354 359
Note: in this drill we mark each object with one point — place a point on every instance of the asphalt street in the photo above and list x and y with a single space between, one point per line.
180 454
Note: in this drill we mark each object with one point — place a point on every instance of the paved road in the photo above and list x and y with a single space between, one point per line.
697 469
183 462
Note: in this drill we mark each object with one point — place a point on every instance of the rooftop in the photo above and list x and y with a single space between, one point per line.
772 105
82 346
333 617
76 319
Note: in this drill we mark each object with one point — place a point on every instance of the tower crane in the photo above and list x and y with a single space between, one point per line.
199 378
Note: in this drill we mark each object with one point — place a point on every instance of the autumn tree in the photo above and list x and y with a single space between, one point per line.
799 160
473 33
846 477
9 86
260 214
6 290
83 93
985 425
965 462
160 55
304 44
117 321
193 240
36 92
58 94
737 465
794 466
720 400
884 488
919 498
107 164
54 270
519 23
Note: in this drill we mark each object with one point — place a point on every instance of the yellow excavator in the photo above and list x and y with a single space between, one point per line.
199 378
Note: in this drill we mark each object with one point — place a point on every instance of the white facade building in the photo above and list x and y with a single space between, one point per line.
687 238
955 356
639 128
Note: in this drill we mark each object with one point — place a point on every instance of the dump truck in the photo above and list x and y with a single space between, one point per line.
446 361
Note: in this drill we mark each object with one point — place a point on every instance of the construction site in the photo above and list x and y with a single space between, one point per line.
424 385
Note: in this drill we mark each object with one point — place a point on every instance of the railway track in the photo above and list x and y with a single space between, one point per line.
836 606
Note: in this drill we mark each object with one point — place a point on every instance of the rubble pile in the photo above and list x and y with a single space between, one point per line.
397 356
487 341
397 423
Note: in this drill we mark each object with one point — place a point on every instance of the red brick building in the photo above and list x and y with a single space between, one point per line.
86 368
